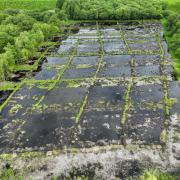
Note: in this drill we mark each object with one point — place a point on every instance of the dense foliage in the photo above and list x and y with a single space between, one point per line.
172 28
22 33
110 9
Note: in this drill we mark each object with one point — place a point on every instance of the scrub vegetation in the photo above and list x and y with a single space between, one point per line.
81 68
22 33
172 29
110 10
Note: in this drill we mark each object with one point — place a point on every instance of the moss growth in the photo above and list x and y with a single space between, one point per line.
15 109
127 103
156 175
164 136
81 109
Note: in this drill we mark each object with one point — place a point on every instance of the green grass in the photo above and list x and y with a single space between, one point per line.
27 4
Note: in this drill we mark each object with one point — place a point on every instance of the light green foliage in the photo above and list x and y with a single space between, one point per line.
10 174
156 175
112 9
24 21
172 28
26 45
47 30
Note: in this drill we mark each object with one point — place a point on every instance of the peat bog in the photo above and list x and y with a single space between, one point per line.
110 85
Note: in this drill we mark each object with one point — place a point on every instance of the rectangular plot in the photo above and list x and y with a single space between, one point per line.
68 99
23 100
118 60
145 118
91 60
144 126
136 31
114 46
89 41
88 48
85 38
147 71
100 127
47 74
67 46
87 32
51 61
115 72
110 32
144 46
147 93
39 132
79 73
138 38
108 97
144 60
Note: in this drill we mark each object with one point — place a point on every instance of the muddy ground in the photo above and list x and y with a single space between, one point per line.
104 106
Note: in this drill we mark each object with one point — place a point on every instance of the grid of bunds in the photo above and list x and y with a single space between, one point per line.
111 83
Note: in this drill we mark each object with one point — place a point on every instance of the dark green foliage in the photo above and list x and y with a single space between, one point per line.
59 3
112 9
12 11
172 27
36 14
3 17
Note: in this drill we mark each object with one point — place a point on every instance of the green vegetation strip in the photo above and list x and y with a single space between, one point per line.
81 110
126 103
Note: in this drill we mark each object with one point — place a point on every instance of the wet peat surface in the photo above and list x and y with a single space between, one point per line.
108 85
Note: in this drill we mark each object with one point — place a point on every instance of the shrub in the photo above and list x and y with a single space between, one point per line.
12 11
36 14
24 22
26 45
6 59
4 40
111 9
47 30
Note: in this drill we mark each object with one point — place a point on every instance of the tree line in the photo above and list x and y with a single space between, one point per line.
110 9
